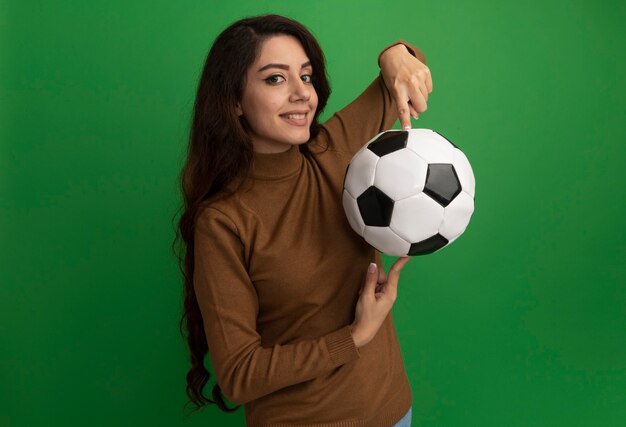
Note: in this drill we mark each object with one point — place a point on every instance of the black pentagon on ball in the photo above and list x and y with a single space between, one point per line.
442 183
428 246
375 207
389 142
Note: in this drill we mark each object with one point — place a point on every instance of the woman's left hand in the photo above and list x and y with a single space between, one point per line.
408 80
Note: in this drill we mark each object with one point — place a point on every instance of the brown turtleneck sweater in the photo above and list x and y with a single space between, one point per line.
277 277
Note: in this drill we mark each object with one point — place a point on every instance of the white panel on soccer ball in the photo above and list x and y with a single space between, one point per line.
421 131
445 141
400 174
353 214
386 241
450 241
464 172
416 218
456 216
431 147
360 175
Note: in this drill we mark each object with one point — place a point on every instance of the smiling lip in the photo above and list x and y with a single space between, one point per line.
296 122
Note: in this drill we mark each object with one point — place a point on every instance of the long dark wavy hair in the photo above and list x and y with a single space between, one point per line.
219 151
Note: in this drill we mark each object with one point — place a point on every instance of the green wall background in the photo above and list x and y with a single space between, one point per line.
521 322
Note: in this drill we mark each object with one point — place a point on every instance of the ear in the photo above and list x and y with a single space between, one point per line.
238 109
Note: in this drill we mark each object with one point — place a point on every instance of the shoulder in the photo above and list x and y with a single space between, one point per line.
226 210
217 212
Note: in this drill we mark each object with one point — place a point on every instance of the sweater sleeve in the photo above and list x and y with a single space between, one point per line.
229 306
372 112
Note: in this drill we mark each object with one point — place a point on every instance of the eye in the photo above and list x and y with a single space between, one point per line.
273 79
307 78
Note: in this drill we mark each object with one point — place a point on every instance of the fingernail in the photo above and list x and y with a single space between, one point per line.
372 267
407 127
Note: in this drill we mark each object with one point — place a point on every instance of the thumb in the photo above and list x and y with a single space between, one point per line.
371 279
394 271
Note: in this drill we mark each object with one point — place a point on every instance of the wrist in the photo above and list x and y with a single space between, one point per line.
359 339
395 49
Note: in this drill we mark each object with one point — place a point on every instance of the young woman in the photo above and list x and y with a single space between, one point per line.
291 305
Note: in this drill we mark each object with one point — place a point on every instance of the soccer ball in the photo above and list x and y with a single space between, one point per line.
409 192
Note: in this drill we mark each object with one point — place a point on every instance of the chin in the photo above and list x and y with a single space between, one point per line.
300 139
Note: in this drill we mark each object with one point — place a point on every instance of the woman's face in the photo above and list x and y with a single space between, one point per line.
279 100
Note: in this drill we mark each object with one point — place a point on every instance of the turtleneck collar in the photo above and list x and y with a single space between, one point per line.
276 165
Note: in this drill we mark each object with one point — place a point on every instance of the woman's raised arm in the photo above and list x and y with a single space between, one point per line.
375 109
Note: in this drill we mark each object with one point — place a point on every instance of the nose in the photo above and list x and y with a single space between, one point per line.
300 91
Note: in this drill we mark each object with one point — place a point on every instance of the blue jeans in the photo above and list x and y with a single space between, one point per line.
406 420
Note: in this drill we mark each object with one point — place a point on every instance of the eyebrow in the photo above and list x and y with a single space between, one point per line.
282 66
